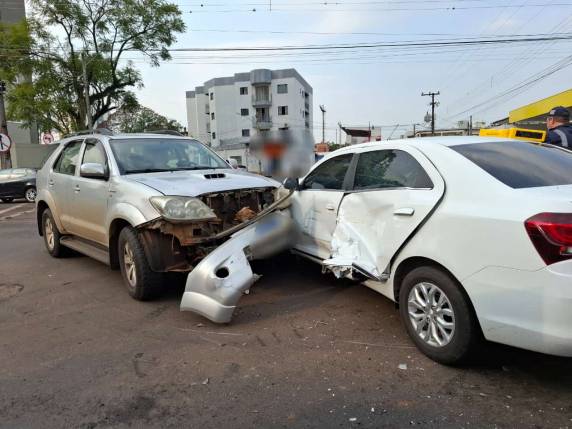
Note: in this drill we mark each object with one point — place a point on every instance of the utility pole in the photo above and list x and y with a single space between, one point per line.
471 125
86 93
433 104
5 156
323 109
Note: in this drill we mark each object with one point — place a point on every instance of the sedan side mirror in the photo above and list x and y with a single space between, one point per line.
291 183
93 170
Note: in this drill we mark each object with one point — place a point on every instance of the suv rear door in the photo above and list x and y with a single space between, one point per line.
60 180
392 191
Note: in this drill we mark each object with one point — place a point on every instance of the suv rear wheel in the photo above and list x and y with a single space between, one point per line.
142 283
438 316
51 235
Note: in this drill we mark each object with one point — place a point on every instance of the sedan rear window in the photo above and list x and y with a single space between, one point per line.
520 164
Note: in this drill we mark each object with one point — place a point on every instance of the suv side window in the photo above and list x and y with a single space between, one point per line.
383 169
68 159
94 153
330 175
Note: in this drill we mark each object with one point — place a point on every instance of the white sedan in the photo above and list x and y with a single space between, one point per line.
471 237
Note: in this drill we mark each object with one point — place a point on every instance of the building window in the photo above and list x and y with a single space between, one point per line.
212 95
282 110
246 133
212 115
243 90
214 135
282 88
243 112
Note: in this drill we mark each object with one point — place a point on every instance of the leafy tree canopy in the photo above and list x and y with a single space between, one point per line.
63 38
141 119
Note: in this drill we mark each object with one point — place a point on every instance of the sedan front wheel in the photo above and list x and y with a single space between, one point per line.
438 315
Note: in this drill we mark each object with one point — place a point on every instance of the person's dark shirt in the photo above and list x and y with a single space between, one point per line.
560 136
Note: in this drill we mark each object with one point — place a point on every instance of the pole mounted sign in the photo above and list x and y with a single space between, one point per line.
5 143
47 138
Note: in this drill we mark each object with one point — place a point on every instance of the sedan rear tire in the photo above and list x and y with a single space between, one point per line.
438 316
142 283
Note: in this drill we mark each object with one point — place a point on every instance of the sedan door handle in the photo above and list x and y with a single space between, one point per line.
330 207
50 183
404 211
76 189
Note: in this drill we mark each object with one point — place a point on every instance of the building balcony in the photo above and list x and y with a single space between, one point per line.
264 100
262 122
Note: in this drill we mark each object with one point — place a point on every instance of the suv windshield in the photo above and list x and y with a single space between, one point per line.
148 155
520 164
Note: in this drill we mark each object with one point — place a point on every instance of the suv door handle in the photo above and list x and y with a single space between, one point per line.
76 189
50 182
404 211
330 207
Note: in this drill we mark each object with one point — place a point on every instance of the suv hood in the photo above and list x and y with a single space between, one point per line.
198 182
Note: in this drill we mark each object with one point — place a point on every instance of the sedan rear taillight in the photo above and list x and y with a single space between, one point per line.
551 234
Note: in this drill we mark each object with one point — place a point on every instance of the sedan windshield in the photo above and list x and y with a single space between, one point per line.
149 155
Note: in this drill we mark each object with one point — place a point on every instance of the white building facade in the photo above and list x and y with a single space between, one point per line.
227 112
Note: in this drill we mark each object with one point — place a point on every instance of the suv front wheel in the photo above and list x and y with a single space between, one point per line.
142 283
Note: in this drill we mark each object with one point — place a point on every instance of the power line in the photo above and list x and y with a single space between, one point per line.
521 87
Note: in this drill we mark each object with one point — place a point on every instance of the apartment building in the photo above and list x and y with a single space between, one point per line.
227 112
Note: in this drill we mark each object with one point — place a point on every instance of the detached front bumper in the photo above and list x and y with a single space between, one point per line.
217 283
527 309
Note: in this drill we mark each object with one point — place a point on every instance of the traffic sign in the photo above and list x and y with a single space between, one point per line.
47 138
5 143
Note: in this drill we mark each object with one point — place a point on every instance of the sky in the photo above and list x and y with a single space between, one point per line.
380 86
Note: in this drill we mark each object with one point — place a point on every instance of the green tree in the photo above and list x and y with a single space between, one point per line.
70 36
142 119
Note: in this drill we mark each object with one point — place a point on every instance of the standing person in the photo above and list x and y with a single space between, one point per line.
559 128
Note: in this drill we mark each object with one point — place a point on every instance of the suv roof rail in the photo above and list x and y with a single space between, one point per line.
169 132
103 131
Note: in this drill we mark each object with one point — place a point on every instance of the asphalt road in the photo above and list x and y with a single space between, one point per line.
303 350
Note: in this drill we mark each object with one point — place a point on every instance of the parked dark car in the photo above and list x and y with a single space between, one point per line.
17 183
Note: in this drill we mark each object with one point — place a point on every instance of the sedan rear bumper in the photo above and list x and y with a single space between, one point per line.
527 309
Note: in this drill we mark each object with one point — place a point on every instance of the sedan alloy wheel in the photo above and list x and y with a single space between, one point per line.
431 314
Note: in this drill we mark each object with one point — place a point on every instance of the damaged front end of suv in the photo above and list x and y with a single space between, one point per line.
231 227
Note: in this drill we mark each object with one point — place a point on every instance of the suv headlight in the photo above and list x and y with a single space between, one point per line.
182 208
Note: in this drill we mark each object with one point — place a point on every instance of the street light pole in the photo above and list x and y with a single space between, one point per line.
323 109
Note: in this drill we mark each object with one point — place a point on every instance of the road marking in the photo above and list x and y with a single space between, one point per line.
11 216
12 208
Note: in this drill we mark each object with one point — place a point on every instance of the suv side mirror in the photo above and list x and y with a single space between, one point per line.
93 170
291 183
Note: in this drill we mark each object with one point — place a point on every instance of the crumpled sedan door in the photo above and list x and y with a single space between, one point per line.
394 191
